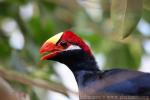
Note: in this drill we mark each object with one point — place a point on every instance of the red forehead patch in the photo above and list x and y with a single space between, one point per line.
74 39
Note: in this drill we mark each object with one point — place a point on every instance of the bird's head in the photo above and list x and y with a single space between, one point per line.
63 44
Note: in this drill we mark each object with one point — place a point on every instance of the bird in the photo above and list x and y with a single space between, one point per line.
93 83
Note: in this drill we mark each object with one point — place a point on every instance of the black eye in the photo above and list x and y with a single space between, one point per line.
63 43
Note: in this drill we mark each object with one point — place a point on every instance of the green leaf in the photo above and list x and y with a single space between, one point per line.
105 4
125 15
122 56
146 15
41 32
146 4
5 49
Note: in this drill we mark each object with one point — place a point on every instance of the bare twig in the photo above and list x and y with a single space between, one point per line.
8 93
13 76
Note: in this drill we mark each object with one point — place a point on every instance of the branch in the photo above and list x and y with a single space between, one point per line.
8 93
13 76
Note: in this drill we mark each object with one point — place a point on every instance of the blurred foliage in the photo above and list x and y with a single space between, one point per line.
99 22
126 14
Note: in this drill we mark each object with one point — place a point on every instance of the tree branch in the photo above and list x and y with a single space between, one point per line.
13 76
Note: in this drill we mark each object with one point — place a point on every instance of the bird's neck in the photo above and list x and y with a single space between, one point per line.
82 62
84 69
